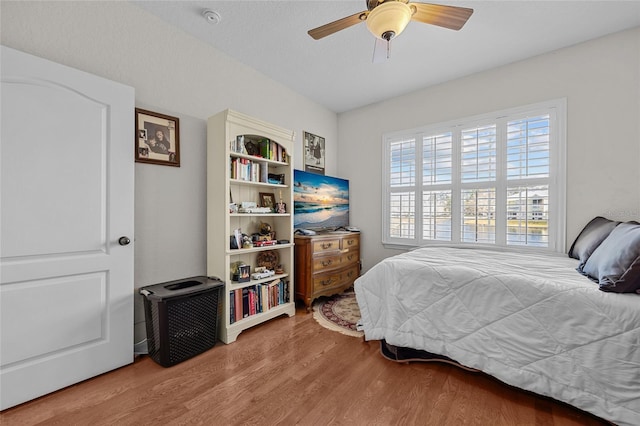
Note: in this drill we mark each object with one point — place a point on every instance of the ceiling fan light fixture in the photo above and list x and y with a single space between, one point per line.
389 19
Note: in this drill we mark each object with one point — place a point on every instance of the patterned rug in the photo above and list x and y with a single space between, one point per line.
338 313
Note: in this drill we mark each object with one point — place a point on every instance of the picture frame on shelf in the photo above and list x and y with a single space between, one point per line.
267 199
157 138
314 153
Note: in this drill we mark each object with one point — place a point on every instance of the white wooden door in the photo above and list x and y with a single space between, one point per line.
67 180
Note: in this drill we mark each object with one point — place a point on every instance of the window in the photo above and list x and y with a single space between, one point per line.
494 179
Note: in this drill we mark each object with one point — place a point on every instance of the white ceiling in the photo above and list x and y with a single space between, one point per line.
337 71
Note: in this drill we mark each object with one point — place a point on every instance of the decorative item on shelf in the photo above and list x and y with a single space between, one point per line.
277 179
279 270
263 243
239 240
267 235
281 207
269 259
256 237
246 241
265 229
240 272
251 148
254 210
262 272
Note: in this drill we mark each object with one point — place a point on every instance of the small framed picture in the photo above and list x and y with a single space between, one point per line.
157 138
314 154
267 200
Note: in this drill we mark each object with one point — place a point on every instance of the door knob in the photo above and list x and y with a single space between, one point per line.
123 241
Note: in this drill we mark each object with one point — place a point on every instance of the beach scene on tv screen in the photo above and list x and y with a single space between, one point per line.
320 202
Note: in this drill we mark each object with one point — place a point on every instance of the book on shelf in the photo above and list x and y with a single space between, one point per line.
245 302
272 150
237 145
258 147
246 170
238 304
252 301
264 294
232 307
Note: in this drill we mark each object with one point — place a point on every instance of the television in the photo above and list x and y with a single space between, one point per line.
320 202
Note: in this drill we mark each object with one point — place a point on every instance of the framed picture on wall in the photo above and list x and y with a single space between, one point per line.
314 153
157 138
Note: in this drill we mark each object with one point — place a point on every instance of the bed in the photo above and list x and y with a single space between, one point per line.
530 320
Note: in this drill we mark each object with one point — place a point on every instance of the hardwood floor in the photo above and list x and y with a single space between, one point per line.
292 371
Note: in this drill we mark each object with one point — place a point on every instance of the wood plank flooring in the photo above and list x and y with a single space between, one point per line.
292 371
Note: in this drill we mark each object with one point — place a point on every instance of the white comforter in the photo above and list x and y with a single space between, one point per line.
529 320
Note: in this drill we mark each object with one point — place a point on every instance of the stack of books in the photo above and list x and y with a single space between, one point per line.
257 299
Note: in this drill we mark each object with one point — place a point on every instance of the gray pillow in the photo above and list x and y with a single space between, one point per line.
590 238
615 264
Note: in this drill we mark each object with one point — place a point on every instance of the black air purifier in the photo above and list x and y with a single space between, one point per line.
182 318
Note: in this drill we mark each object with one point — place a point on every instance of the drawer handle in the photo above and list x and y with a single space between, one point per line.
326 262
326 245
326 282
350 274
350 257
350 242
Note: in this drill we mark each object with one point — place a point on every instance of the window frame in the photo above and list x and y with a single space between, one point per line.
557 110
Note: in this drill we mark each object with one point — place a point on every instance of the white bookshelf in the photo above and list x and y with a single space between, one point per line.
222 131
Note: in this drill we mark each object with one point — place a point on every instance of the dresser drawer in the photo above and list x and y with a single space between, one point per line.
349 257
326 263
325 245
337 279
349 275
351 242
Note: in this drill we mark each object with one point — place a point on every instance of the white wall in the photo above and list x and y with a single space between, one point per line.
599 78
175 74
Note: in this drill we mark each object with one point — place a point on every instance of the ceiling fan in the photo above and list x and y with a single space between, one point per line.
386 19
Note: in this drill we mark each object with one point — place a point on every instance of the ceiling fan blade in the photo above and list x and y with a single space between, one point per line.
381 50
335 26
451 17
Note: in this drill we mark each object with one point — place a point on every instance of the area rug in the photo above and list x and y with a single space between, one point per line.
339 313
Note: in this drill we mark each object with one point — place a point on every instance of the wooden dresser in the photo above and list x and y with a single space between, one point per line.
325 264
